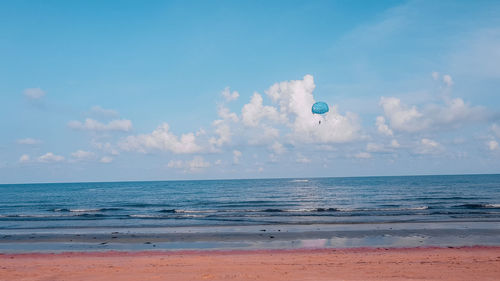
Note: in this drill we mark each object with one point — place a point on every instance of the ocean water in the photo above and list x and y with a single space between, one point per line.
212 203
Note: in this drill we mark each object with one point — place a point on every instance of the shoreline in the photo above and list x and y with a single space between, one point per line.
112 253
427 263
252 237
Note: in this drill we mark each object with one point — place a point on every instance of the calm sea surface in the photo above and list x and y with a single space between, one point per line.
468 198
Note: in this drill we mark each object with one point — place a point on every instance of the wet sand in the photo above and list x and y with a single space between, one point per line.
463 263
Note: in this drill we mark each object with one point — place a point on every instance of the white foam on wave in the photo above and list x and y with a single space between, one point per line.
84 210
492 205
383 209
195 211
144 216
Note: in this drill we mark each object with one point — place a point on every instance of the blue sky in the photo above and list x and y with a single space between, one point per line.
159 90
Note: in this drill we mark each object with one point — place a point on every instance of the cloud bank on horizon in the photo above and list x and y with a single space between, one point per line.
386 117
280 122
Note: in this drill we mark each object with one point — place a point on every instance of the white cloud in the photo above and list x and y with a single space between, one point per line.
107 147
161 139
224 113
252 113
236 156
496 129
302 159
278 148
263 135
295 99
34 93
435 75
448 80
82 155
428 146
375 147
453 113
395 144
402 117
223 132
363 155
28 141
382 126
194 165
226 93
94 125
493 145
222 127
50 157
97 110
25 158
178 164
106 159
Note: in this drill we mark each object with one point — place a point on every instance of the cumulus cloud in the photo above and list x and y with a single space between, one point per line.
278 148
228 95
302 159
123 125
395 144
103 112
163 140
223 132
375 147
448 80
25 158
363 155
435 75
495 129
28 141
493 145
106 159
401 117
263 135
50 157
453 113
34 93
288 120
222 127
382 126
82 155
252 113
295 99
382 148
225 114
107 147
196 164
428 146
236 156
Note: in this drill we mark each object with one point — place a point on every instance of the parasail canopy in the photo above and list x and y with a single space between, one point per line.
320 108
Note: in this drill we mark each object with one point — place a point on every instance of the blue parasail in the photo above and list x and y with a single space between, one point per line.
320 108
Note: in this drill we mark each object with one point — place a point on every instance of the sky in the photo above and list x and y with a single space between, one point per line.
168 90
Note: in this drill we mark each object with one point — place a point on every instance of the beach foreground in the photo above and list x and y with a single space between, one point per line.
464 263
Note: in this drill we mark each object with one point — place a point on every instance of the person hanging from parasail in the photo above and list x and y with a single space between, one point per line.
320 108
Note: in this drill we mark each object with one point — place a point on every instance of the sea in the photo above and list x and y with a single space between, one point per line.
208 204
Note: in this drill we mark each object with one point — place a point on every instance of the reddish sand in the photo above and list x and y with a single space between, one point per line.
467 263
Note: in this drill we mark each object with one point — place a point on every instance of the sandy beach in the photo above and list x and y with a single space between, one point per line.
464 263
